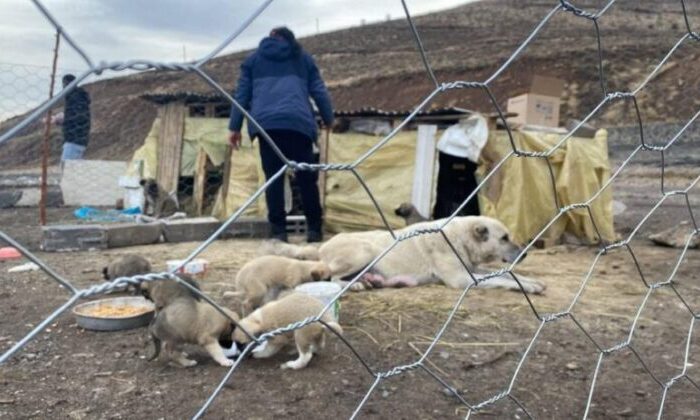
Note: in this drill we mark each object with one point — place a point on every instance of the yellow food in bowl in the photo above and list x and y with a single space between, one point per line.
106 310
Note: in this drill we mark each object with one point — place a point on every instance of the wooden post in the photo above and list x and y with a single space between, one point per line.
424 169
172 128
227 172
47 137
200 177
323 158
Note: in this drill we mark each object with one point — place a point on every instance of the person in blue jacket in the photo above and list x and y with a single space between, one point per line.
274 86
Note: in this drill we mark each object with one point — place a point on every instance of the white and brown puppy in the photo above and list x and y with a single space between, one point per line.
292 308
409 213
427 258
261 279
306 252
186 320
126 266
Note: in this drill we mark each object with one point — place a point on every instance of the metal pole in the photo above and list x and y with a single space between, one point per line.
47 137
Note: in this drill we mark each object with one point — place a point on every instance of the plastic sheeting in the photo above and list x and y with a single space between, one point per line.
520 195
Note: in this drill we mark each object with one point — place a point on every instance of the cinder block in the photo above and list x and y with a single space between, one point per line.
248 227
61 238
185 230
132 234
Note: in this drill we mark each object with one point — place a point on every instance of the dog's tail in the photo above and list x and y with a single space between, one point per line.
335 327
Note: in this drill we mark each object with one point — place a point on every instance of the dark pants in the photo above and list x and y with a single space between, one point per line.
456 180
297 147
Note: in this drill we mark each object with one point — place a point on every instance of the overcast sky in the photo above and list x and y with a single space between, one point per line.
163 30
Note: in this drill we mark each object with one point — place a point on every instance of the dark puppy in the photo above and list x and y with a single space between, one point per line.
127 266
409 213
157 200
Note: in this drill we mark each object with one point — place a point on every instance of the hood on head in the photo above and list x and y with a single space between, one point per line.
275 49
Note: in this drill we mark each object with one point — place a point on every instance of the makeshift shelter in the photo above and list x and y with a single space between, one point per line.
520 194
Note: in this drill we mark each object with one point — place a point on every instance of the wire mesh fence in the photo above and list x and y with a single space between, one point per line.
542 317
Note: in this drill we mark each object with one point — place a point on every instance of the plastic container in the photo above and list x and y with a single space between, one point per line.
86 318
9 253
325 292
196 268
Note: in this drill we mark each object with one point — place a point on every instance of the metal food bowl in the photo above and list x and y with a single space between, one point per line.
89 321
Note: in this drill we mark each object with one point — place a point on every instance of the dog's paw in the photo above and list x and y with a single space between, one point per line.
188 363
534 287
359 287
226 362
292 364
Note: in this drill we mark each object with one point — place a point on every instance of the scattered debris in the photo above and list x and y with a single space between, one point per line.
677 236
30 266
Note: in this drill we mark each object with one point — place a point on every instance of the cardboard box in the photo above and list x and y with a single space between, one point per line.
540 106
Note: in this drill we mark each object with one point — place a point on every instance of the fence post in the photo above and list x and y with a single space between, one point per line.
47 137
424 169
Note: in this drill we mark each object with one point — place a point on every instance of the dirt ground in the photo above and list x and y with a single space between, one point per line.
68 372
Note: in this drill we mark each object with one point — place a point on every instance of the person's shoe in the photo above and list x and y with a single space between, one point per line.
314 236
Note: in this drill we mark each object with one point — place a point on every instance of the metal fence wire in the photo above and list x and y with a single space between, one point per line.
608 97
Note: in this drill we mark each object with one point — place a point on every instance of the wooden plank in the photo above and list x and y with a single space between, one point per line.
323 158
424 169
209 110
227 172
200 177
172 127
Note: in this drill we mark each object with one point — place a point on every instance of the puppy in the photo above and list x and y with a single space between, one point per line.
164 292
127 266
283 249
161 203
409 213
292 308
186 320
261 279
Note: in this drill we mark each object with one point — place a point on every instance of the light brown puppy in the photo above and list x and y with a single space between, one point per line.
306 252
188 321
292 308
126 266
163 292
261 279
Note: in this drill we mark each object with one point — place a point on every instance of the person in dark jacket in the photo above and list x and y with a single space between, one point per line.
76 121
274 86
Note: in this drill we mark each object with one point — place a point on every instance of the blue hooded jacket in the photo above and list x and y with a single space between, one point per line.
275 86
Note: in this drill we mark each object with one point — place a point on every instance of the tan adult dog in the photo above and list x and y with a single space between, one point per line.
292 308
300 252
426 258
262 279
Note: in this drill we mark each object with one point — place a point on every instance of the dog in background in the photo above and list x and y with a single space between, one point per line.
159 202
292 308
409 213
262 279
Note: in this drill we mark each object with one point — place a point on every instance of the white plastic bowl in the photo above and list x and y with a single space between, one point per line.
324 291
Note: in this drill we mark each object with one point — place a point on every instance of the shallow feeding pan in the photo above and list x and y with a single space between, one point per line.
114 314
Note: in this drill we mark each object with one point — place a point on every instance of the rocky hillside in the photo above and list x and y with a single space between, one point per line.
378 66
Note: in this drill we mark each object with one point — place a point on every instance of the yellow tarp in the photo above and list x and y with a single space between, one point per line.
522 198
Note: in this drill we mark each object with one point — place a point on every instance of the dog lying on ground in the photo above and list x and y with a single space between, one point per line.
262 279
160 203
163 292
283 249
292 308
183 318
426 258
409 213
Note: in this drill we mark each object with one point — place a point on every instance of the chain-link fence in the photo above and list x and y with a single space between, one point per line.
543 316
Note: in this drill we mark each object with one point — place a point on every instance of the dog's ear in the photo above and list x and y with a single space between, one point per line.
142 182
317 274
105 273
481 232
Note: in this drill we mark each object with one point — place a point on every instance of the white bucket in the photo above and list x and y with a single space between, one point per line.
196 268
324 291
